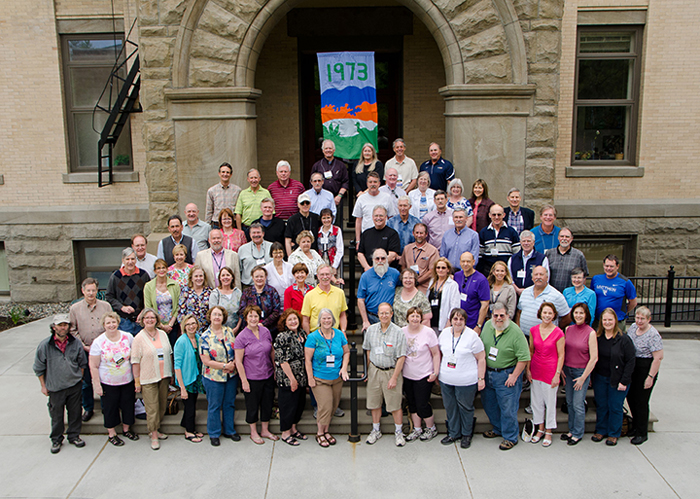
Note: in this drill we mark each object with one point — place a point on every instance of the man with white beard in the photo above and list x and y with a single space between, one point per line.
377 285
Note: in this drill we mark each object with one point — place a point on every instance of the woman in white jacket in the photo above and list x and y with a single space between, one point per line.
443 294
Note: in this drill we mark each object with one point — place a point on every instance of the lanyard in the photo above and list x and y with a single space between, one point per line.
329 343
454 345
420 250
497 338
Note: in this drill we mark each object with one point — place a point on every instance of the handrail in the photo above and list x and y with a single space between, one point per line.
352 306
354 379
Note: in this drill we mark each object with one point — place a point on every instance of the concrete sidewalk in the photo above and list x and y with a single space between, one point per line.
664 467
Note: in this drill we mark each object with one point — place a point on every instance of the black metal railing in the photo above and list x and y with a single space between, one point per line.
354 379
671 299
352 285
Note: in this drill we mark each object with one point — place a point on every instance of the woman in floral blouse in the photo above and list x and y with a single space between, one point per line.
194 298
220 379
180 270
290 372
264 296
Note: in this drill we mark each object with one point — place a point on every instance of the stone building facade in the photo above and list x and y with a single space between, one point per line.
494 81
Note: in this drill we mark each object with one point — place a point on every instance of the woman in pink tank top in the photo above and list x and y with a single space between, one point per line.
544 371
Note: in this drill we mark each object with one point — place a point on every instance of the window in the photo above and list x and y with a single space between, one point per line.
87 63
606 98
595 248
4 278
99 259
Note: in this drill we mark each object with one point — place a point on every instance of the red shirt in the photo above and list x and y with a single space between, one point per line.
286 197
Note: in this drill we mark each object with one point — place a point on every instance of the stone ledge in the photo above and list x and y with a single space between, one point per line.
609 15
604 171
91 177
88 214
654 208
488 100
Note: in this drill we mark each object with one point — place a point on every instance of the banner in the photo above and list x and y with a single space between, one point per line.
348 101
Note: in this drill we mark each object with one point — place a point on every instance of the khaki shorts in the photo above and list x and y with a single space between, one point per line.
377 390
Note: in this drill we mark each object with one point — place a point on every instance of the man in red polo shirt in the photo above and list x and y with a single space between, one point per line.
285 191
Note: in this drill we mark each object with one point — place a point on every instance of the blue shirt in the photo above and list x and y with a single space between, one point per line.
322 348
405 229
321 200
529 306
586 296
472 290
440 173
544 241
612 293
453 245
376 290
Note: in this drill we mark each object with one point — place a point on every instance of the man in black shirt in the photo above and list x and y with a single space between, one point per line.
304 220
379 236
274 227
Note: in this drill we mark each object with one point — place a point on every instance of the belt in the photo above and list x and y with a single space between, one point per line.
498 370
383 368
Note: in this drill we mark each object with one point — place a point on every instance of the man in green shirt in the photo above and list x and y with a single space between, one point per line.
507 353
248 204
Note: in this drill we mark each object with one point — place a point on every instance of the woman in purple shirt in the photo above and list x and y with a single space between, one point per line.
254 358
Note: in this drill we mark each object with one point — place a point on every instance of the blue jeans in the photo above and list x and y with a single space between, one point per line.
459 405
129 326
88 394
576 399
608 403
221 397
501 402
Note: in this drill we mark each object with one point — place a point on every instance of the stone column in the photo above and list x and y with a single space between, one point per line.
485 134
212 125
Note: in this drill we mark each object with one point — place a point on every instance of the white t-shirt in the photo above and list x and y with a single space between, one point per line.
464 372
366 203
115 359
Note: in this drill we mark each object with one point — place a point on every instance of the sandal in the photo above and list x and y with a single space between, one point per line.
116 441
330 438
199 435
546 442
259 441
155 445
131 435
537 437
299 436
321 439
271 437
193 438
291 441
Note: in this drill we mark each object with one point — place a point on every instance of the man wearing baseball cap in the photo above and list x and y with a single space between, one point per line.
59 364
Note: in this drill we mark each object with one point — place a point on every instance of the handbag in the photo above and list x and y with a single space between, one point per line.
173 406
528 430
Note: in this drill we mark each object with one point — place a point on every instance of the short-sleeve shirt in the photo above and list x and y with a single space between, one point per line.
219 350
647 343
459 351
612 293
545 357
317 299
286 197
511 346
385 347
115 359
289 348
248 204
401 307
407 170
256 361
322 349
529 306
376 290
373 238
586 296
419 358
472 291
366 203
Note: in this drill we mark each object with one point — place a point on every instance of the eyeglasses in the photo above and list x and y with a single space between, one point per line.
379 258
305 202
498 315
497 214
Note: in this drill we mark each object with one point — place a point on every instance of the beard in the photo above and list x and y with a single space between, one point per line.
381 268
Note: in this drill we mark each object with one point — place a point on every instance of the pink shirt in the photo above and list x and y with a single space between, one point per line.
544 359
419 358
577 354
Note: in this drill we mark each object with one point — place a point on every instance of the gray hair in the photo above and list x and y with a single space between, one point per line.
256 225
393 144
499 305
426 175
526 234
325 311
253 170
323 144
514 189
268 200
455 182
283 163
459 209
143 313
380 207
128 252
404 198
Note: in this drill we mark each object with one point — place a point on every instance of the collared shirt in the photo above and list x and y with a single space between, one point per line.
407 170
335 174
321 200
286 197
248 204
421 261
440 173
421 204
544 241
376 290
385 347
473 290
86 320
404 229
199 232
438 223
220 197
529 305
498 245
511 345
515 220
250 256
561 265
317 299
366 203
219 350
455 243
193 249
147 264
394 195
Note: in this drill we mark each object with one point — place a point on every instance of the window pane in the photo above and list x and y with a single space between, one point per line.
605 79
93 51
87 139
4 280
606 42
110 257
102 278
595 251
87 84
602 133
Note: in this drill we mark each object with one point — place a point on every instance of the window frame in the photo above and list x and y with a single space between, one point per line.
71 109
81 267
634 102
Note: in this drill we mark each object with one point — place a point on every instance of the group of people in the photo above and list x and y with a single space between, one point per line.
250 298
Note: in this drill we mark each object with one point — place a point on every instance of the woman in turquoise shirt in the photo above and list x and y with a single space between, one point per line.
188 373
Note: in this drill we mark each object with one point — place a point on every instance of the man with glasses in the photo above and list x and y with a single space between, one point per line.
304 220
320 197
563 259
379 236
377 285
498 242
324 296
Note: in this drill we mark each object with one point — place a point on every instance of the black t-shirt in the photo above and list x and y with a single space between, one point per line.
298 223
602 367
359 180
371 239
275 231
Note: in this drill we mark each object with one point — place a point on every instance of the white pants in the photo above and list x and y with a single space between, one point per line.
544 403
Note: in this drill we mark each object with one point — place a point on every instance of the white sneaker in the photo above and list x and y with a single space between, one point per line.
414 435
374 436
399 439
429 434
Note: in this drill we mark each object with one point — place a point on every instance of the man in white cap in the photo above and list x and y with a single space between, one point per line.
59 363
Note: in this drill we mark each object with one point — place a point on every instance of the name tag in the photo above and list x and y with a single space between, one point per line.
118 359
330 360
452 362
521 274
494 251
260 261
414 268
493 353
160 353
379 350
463 296
328 174
434 303
400 181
